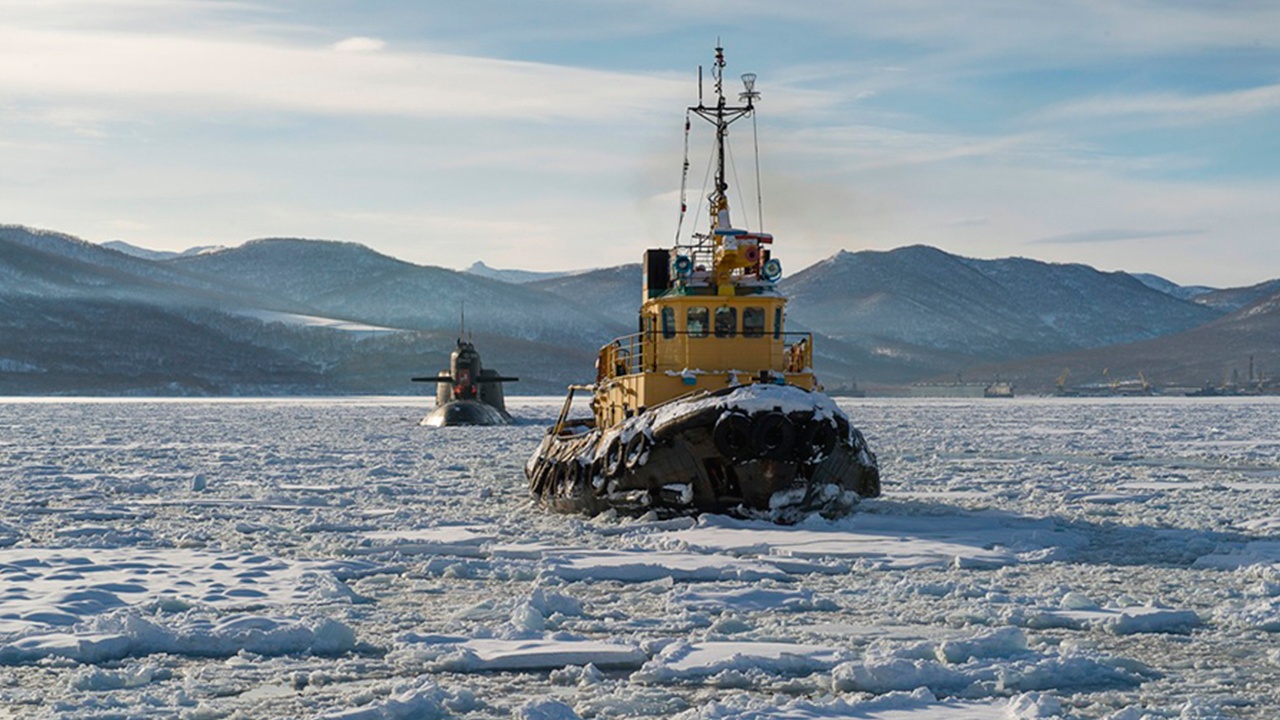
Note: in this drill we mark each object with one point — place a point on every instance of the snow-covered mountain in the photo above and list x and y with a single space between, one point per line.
1169 287
77 314
1225 300
352 282
148 254
60 346
1232 299
613 292
516 277
917 311
51 264
923 297
1211 353
919 308
82 318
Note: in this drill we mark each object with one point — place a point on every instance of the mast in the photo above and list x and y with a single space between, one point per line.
722 115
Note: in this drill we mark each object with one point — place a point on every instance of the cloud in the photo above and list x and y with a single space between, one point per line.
127 225
150 15
359 44
1174 108
420 132
1113 235
1073 31
137 74
871 147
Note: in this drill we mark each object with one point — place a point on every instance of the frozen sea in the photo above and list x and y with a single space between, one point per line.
329 558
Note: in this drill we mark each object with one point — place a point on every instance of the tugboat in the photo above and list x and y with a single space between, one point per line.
467 393
711 406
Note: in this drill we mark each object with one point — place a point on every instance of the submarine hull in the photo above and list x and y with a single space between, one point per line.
465 412
750 453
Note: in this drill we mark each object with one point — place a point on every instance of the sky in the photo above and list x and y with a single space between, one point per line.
1127 134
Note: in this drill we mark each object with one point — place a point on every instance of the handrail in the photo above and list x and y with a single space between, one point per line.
564 410
633 354
621 356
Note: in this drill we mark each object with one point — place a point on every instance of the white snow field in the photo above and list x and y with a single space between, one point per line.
329 558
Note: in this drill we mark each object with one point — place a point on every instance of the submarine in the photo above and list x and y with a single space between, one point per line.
467 393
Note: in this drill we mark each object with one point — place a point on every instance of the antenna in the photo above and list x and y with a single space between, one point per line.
462 319
750 95
722 115
748 82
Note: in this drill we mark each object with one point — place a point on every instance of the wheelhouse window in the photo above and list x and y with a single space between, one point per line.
696 322
777 322
668 322
726 321
753 322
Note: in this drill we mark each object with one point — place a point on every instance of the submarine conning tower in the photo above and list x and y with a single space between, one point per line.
468 379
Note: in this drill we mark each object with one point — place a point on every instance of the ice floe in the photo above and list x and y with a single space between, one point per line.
128 633
1082 560
481 655
980 540
916 705
684 661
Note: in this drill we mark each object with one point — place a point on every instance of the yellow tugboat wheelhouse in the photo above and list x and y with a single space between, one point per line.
712 406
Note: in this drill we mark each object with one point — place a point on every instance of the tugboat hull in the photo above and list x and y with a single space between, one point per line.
760 451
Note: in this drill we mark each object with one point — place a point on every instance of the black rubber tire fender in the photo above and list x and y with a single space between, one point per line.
613 458
556 477
843 429
637 448
733 436
578 477
856 440
868 484
595 470
548 477
538 476
818 439
773 435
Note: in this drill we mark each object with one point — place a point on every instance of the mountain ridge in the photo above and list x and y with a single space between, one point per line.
353 282
1211 354
148 254
518 277
879 316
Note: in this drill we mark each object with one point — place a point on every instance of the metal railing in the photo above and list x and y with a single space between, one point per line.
792 352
